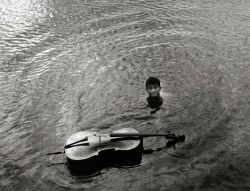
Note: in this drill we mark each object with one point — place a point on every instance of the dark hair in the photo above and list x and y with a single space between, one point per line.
152 81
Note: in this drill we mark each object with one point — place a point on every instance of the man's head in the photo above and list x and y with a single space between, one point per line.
153 87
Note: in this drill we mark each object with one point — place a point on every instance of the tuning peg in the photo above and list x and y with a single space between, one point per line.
171 144
181 138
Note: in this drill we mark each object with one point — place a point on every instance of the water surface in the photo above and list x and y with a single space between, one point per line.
67 66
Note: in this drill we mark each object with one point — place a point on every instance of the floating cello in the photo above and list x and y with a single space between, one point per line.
89 151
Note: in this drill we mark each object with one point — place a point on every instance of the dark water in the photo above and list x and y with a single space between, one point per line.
78 65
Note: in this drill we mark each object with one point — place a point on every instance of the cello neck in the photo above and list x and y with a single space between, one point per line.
168 135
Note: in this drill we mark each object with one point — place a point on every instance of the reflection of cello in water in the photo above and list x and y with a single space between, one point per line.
90 151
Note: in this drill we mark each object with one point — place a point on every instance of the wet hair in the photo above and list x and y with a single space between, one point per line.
152 81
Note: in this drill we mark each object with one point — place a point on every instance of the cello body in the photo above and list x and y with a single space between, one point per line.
102 150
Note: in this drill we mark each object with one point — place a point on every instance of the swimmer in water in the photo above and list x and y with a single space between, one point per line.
153 87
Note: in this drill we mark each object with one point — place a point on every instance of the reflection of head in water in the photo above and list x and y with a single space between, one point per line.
153 88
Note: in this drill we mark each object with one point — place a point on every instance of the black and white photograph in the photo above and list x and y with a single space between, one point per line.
124 95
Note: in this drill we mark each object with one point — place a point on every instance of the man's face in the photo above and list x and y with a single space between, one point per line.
153 90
